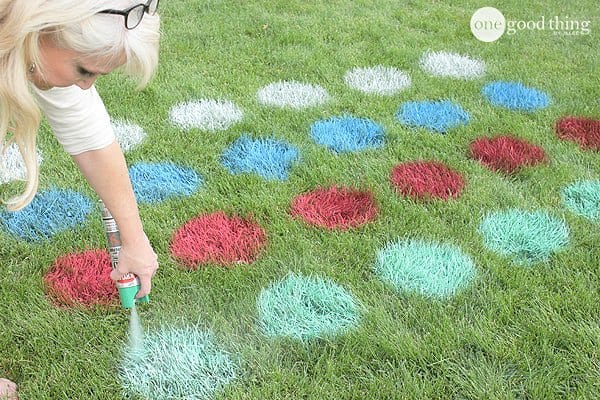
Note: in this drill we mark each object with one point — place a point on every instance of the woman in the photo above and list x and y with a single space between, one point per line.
51 52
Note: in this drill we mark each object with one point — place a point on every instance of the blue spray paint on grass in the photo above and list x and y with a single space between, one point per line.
156 182
431 269
438 116
526 237
306 308
515 96
182 363
583 198
347 134
51 212
267 157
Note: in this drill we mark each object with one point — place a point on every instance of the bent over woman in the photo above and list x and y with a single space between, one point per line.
51 52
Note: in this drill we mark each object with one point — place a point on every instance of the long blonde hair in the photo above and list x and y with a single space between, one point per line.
73 25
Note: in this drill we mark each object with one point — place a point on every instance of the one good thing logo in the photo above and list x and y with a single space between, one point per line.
488 24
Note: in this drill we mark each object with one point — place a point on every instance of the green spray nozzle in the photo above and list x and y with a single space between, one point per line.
127 296
129 286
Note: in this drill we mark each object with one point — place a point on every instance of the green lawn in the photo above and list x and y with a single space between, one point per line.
515 332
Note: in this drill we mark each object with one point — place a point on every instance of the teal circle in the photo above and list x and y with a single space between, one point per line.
583 198
434 270
304 308
524 236
182 363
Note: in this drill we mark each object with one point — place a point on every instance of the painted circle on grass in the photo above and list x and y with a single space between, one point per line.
526 237
347 134
426 180
129 135
306 308
292 94
81 279
515 96
506 153
431 269
583 198
581 130
206 114
269 158
335 208
12 165
156 182
379 80
51 212
437 116
177 363
451 65
217 239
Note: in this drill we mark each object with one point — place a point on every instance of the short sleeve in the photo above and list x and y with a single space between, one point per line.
78 118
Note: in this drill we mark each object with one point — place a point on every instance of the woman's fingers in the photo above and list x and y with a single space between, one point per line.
8 390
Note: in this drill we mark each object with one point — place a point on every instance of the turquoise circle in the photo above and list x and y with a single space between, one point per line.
304 308
182 363
583 198
431 269
526 237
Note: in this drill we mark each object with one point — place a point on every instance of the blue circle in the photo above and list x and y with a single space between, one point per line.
438 116
269 158
156 182
49 213
527 237
430 269
515 96
306 308
347 134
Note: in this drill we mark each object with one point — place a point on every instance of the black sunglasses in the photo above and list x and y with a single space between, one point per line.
134 15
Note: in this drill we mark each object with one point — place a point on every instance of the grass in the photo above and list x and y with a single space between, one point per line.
514 333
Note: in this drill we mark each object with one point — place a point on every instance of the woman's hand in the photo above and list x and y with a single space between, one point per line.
106 171
138 258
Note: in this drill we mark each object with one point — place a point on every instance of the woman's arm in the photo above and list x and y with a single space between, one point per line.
106 171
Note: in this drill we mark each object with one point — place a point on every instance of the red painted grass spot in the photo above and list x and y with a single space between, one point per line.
426 180
81 279
506 153
584 131
335 208
217 239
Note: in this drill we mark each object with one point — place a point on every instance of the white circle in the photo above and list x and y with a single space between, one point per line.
378 80
488 24
292 94
452 65
129 135
12 165
206 114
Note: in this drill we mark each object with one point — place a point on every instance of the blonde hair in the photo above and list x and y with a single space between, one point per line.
72 25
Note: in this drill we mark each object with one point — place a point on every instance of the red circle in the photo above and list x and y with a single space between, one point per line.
506 153
584 131
81 279
424 180
217 239
335 208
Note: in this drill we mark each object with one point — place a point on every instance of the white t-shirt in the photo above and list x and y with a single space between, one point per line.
77 117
